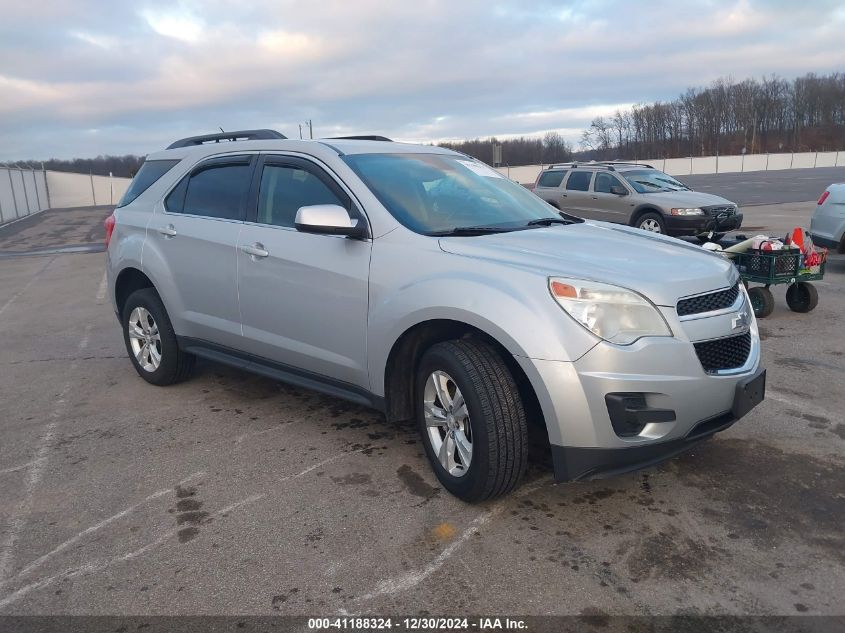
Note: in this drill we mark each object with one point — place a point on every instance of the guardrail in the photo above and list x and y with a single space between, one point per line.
712 164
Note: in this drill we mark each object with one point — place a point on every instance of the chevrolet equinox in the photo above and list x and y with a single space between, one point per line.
419 281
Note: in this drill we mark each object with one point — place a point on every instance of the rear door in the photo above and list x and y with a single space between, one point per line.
196 231
576 192
304 298
607 206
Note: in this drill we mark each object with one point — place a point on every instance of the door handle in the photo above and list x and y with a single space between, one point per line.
256 251
595 197
167 231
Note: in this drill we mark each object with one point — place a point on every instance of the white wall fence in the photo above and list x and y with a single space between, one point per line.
22 192
27 191
712 164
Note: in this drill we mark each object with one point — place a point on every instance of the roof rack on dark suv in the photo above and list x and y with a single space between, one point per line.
239 135
609 164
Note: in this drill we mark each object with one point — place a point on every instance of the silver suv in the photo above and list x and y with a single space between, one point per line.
420 282
636 195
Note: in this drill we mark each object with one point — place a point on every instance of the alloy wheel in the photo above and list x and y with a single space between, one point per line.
447 423
144 339
650 224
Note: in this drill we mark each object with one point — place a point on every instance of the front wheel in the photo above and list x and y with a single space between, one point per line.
151 341
472 419
652 222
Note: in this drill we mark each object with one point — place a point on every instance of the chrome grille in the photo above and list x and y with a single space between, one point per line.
708 303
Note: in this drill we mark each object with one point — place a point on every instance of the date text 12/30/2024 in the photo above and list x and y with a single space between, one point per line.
350 623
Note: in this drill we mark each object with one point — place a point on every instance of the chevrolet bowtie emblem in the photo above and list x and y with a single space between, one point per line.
741 321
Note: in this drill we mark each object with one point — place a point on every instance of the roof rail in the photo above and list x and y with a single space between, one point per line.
363 137
609 164
239 135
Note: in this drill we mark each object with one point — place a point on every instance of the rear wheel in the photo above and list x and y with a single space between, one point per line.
652 222
472 419
762 301
802 296
151 341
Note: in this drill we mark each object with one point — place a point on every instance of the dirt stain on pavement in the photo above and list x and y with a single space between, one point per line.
188 512
415 484
806 489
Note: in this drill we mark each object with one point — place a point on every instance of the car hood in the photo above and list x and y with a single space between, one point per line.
688 199
659 267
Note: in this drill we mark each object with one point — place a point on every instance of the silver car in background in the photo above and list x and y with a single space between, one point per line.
420 282
636 195
827 226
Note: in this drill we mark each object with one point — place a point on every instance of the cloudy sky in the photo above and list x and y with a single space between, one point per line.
88 77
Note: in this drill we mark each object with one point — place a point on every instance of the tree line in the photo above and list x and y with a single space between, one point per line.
120 166
728 117
551 148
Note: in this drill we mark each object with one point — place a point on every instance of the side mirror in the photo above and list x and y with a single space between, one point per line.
619 190
328 219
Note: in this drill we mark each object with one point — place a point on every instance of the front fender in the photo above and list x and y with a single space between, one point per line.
511 305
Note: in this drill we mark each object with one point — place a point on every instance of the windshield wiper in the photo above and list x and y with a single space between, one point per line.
471 230
547 222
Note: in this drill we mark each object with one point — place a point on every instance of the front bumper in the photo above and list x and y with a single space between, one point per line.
697 224
578 463
668 401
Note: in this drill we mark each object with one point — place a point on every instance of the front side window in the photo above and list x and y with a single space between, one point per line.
284 189
604 182
551 179
149 173
653 181
579 181
441 193
213 191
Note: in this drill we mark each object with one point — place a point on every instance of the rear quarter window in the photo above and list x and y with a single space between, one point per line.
149 173
551 179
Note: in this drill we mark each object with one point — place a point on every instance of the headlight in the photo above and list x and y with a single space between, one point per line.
695 211
615 314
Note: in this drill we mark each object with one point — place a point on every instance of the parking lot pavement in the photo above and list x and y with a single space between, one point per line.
233 494
768 187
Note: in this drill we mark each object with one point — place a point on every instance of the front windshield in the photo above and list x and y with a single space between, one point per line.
652 180
439 193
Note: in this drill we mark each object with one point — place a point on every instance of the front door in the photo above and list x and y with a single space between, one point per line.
303 297
610 207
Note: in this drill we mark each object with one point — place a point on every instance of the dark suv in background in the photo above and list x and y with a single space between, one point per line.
636 195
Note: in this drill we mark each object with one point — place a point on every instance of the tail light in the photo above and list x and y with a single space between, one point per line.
109 226
824 197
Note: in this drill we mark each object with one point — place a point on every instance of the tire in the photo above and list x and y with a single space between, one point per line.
762 301
494 419
652 222
144 314
802 296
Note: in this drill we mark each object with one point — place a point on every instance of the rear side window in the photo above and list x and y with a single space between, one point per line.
213 191
284 189
579 180
150 172
551 179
